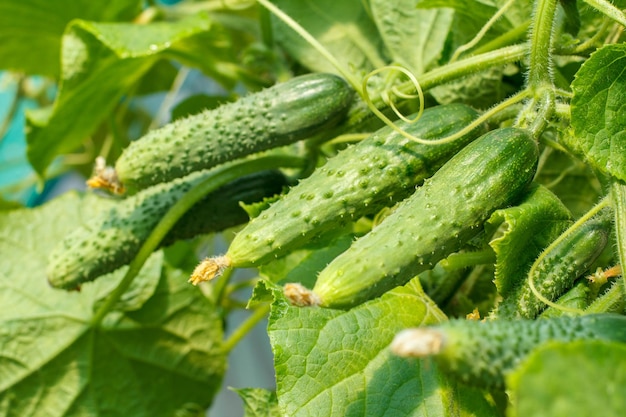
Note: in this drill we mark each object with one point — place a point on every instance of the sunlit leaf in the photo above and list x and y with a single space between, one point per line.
55 361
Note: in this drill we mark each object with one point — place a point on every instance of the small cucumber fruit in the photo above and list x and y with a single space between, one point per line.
482 353
364 178
446 212
277 116
559 268
113 239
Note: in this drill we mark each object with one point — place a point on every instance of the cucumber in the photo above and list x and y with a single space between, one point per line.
364 178
438 219
482 353
277 116
113 239
559 268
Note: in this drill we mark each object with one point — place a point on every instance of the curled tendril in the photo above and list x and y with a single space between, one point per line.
386 98
602 204
388 101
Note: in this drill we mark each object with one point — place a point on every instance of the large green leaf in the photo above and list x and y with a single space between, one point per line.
148 357
598 111
338 363
100 62
414 37
579 379
343 27
524 231
31 30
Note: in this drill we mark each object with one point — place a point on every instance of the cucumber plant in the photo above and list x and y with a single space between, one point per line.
479 99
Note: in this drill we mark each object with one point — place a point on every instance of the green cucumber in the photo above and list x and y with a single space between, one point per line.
559 268
112 240
438 219
364 178
482 353
277 116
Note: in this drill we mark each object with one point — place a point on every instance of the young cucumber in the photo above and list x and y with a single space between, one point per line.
481 353
277 116
112 240
447 211
559 268
372 174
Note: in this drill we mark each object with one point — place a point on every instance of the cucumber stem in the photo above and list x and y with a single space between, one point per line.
618 198
244 328
222 175
540 57
609 10
466 259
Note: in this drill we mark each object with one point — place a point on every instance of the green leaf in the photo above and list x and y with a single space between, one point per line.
154 360
598 113
31 30
481 90
337 363
578 379
343 27
471 15
259 402
414 37
571 180
100 62
524 231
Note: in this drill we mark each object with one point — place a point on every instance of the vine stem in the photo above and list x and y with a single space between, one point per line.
618 198
540 57
221 176
245 327
608 9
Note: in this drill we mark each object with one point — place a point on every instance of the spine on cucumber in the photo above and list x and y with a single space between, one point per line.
277 116
113 239
372 174
482 353
446 212
558 269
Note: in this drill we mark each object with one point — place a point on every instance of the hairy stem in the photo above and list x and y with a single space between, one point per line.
618 197
540 57
609 10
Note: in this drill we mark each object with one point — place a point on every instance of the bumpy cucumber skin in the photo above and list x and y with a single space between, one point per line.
277 116
372 174
482 353
448 210
113 240
558 270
